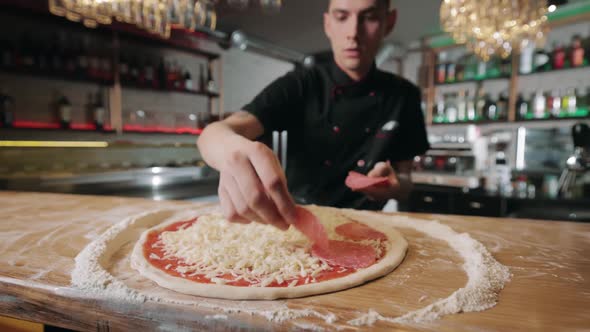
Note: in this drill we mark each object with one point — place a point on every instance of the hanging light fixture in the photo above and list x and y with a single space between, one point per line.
155 16
495 27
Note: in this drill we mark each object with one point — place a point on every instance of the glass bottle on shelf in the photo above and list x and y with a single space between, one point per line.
451 107
451 72
558 57
6 110
82 51
577 52
539 105
470 68
64 109
491 108
494 67
439 110
149 74
482 69
124 68
26 56
502 106
555 103
526 57
188 81
99 112
441 68
522 107
541 60
211 86
461 106
480 105
569 102
460 69
202 79
162 74
470 107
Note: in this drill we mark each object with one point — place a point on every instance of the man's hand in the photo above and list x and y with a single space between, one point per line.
252 185
383 192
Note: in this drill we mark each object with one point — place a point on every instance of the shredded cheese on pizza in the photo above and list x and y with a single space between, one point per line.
259 254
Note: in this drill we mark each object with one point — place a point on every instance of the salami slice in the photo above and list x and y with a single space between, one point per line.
358 181
310 226
358 232
346 254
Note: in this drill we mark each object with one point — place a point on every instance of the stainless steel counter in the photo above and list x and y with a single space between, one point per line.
158 183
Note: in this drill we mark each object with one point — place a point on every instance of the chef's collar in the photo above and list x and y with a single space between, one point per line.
340 78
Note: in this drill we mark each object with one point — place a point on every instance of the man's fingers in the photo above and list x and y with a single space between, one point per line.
380 169
227 208
240 203
272 177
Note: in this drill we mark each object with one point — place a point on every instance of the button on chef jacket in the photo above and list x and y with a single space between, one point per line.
336 125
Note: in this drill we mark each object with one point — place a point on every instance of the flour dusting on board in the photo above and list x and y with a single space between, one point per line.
486 277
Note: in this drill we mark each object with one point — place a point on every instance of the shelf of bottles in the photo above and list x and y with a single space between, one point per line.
89 58
460 104
468 68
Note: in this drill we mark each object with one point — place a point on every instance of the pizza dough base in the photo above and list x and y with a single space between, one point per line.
388 263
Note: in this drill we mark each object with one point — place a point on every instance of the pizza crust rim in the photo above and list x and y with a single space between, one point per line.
388 263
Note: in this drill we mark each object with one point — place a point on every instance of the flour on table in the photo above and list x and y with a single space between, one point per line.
486 277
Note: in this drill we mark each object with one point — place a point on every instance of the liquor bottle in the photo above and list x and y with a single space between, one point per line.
124 68
526 58
555 103
522 107
99 112
461 107
202 79
439 110
64 109
494 67
558 57
470 102
482 70
490 108
134 71
539 105
162 74
82 55
188 81
56 55
6 54
106 65
6 110
211 86
502 106
451 109
460 69
441 68
470 68
451 72
26 56
569 102
577 52
480 105
148 73
541 60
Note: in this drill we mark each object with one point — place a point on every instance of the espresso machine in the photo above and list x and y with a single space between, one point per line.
574 180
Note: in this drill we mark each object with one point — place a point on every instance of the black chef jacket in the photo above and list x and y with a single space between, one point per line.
336 125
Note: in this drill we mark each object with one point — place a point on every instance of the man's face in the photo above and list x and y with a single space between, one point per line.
355 29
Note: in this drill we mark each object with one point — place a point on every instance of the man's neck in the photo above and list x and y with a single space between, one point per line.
355 75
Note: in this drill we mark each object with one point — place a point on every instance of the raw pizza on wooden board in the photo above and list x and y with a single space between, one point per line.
209 256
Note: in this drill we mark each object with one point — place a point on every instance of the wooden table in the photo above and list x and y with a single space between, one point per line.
40 235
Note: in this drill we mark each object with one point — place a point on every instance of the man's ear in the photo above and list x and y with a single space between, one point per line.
391 20
327 27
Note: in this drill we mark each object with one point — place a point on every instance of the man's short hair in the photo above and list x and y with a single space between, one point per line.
385 3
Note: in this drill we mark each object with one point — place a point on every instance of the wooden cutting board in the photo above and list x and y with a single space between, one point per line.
41 234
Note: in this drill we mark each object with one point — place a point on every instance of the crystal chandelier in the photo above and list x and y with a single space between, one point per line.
495 27
155 16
